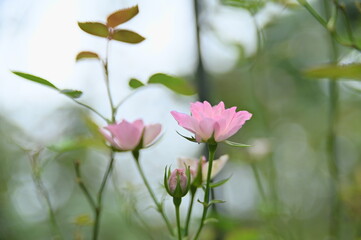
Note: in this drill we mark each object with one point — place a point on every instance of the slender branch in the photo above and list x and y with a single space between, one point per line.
92 109
82 186
106 78
98 209
258 181
189 213
212 150
158 204
44 192
324 24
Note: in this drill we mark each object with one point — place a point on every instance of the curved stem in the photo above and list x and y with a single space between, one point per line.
106 77
158 205
189 213
92 109
99 206
82 185
212 150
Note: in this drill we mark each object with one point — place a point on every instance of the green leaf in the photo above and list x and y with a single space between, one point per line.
235 144
35 79
333 71
127 36
175 84
71 93
216 201
211 220
94 28
76 144
192 139
86 54
135 83
122 16
219 183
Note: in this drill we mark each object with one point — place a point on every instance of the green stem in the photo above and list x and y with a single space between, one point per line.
335 214
212 150
177 203
323 23
98 209
158 205
82 185
92 109
189 213
106 77
258 181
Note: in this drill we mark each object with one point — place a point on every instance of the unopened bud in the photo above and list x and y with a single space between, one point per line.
177 182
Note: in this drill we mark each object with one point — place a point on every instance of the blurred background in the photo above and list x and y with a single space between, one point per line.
249 54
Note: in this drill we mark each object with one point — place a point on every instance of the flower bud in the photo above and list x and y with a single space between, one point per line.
177 183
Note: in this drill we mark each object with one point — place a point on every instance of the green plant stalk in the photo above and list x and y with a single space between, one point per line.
258 181
335 213
107 84
323 23
98 209
82 185
38 182
212 150
189 213
158 205
177 202
92 109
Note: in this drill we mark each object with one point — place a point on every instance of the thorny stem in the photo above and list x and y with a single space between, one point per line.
158 204
212 150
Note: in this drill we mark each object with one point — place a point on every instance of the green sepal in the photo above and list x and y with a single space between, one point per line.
235 144
215 201
192 139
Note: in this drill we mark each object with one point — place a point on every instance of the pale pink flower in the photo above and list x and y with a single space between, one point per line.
212 123
126 136
178 175
193 164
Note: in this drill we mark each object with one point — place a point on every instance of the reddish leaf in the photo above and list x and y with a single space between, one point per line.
86 54
94 28
121 16
127 36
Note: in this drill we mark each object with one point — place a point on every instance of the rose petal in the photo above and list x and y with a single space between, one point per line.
186 121
206 126
150 133
217 166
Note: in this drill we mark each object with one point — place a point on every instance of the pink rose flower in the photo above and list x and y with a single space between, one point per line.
212 123
126 136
